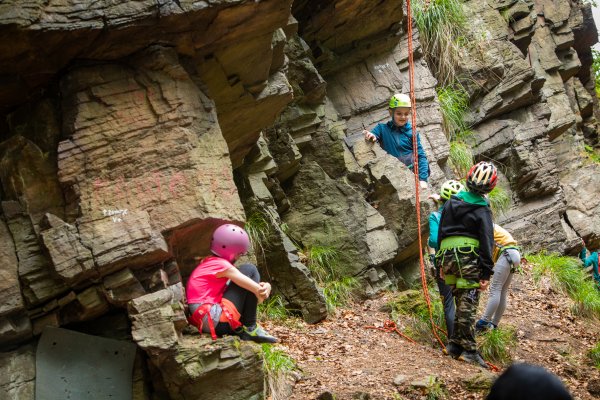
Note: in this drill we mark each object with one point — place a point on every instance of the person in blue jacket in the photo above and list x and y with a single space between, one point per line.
449 188
591 261
396 138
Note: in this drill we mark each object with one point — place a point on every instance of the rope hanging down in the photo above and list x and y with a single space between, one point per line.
411 78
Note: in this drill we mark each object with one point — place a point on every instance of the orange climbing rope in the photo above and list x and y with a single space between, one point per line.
390 326
411 78
434 327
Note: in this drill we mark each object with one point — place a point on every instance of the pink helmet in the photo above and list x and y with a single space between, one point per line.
229 242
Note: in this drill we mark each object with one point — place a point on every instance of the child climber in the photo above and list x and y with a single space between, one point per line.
395 136
448 189
465 257
222 298
591 262
507 258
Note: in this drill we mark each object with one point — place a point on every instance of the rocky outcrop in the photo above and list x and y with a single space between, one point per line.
130 131
17 380
534 141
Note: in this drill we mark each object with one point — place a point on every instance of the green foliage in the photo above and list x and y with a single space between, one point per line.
499 200
322 261
567 274
454 103
594 355
411 306
273 309
436 390
442 28
258 227
339 292
497 344
596 69
277 365
461 157
591 153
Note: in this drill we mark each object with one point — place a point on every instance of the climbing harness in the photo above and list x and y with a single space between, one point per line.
229 314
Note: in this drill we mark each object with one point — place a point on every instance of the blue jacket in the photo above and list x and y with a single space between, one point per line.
591 261
397 141
434 223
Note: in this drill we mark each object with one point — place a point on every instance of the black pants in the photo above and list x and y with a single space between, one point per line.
245 301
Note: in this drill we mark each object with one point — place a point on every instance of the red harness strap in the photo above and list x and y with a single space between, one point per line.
204 310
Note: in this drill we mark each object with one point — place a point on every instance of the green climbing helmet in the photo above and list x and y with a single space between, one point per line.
399 100
449 188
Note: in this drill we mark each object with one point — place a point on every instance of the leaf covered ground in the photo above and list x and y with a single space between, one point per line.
341 357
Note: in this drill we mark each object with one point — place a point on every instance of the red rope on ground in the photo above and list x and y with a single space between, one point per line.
390 326
411 75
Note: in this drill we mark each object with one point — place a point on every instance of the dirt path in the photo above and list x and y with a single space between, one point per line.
341 357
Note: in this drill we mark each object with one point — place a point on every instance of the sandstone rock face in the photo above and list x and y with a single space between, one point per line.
17 380
130 130
534 136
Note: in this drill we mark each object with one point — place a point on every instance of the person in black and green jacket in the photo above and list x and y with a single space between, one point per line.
466 236
449 188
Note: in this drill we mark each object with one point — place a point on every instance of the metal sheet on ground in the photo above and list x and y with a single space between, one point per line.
73 365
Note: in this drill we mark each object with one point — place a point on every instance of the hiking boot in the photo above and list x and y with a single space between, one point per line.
473 357
258 335
482 326
453 350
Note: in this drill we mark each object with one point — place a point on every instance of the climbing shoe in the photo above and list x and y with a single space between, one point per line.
453 350
258 335
473 357
483 325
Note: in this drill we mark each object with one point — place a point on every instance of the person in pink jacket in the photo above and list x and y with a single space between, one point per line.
223 298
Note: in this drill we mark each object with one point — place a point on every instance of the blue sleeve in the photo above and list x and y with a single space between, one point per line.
377 131
423 164
434 223
582 254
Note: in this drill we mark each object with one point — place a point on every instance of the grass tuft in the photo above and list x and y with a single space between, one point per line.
277 366
323 262
454 104
499 200
339 292
594 355
410 306
258 227
567 274
273 309
442 28
496 345
461 157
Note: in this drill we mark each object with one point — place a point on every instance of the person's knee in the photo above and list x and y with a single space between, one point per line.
250 271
